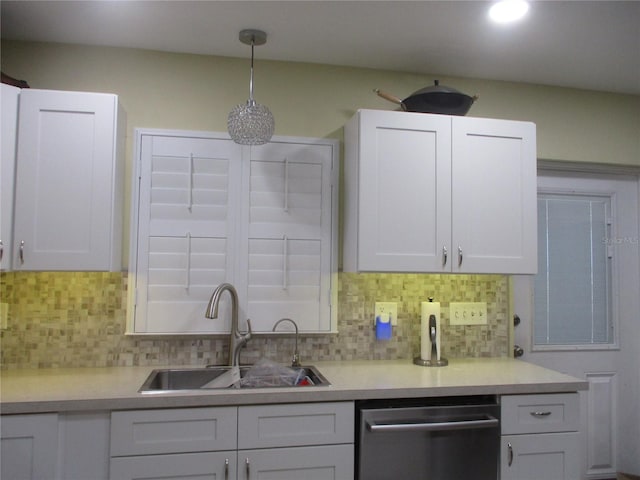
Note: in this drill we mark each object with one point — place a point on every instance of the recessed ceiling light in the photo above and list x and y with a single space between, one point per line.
507 11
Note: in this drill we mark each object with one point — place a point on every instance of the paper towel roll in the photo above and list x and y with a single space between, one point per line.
427 309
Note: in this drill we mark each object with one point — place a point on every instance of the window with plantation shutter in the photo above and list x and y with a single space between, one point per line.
207 211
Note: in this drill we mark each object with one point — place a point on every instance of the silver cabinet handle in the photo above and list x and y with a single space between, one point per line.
510 449
540 414
1 250
486 421
22 252
459 255
226 469
247 467
444 255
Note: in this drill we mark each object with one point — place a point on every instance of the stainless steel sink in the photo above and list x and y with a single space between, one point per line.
166 380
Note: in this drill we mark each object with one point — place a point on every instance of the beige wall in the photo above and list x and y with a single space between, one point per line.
196 92
166 90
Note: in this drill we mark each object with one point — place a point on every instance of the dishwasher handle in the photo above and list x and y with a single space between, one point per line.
484 421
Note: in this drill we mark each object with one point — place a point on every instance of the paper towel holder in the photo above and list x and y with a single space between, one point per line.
434 353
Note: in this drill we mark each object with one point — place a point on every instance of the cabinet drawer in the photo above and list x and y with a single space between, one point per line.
295 425
147 432
205 465
540 413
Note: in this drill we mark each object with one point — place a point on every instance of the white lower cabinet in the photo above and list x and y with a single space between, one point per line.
209 465
291 441
29 446
54 446
174 443
323 462
540 437
537 456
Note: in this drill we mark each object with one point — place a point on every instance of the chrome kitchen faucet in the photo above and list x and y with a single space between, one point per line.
295 361
237 340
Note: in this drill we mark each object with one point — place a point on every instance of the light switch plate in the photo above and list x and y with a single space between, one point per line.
387 307
468 313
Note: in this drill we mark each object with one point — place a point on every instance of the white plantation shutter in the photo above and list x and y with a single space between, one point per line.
186 231
261 218
289 235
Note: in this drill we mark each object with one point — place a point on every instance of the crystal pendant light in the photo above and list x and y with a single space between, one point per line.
251 123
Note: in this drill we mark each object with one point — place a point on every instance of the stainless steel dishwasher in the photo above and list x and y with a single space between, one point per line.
456 438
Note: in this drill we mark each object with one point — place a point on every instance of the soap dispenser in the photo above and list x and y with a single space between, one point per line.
430 347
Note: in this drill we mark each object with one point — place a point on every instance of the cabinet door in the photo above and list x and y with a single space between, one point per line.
68 183
404 192
535 456
9 125
326 462
205 465
494 196
29 446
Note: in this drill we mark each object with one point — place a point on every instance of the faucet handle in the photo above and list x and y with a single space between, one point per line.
295 359
249 331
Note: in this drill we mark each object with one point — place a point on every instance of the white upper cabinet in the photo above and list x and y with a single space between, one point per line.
436 193
207 211
69 179
397 192
494 204
8 136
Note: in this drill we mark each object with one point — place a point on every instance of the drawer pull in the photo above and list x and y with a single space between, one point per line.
540 414
510 448
226 469
247 466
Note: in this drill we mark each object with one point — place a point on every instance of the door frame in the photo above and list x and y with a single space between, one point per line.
621 385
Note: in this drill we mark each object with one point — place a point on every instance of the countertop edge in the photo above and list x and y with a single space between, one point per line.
273 396
116 388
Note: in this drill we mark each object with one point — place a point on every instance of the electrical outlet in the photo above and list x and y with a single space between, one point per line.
387 307
468 313
4 315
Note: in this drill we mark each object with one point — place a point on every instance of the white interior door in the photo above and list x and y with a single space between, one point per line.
599 344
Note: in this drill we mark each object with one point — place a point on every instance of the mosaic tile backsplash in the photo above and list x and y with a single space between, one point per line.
77 319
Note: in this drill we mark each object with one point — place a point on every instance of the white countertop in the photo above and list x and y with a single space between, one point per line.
115 388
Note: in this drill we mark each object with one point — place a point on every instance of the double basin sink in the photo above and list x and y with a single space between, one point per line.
168 380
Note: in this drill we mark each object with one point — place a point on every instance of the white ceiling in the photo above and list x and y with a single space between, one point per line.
584 44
